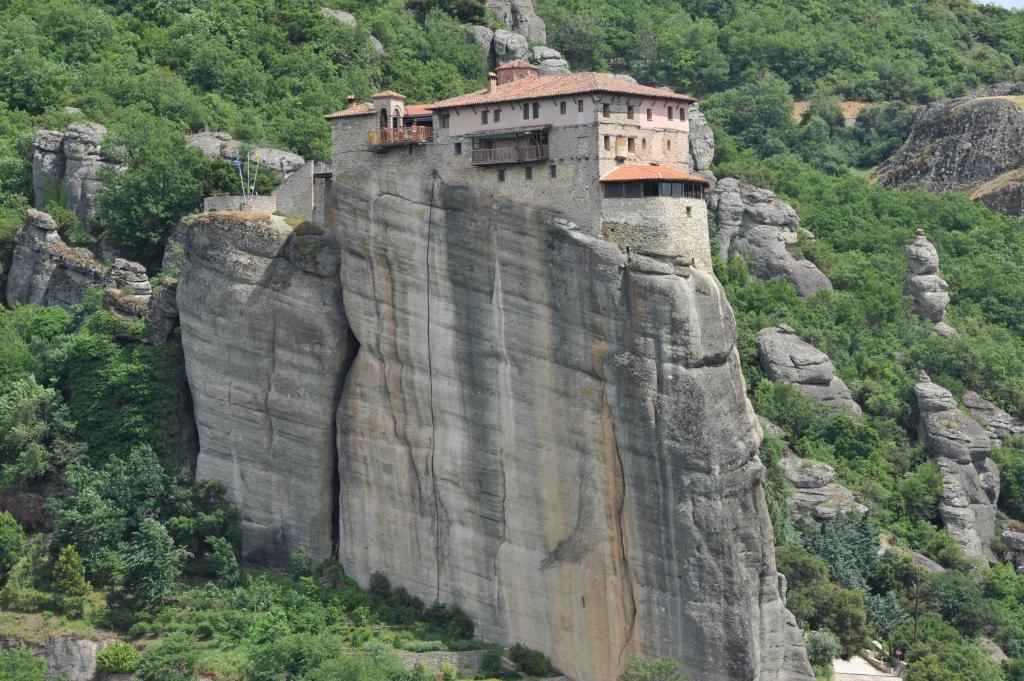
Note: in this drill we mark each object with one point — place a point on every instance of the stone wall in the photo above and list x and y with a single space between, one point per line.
466 662
257 204
659 226
296 196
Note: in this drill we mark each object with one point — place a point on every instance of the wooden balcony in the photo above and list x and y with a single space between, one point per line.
482 157
391 137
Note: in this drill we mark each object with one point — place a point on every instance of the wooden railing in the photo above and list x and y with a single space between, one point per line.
416 134
537 152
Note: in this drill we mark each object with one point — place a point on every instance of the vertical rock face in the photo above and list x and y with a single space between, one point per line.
519 16
702 144
266 346
552 437
784 356
960 447
929 290
45 270
757 224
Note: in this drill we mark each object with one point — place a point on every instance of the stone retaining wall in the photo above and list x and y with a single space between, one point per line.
466 662
258 204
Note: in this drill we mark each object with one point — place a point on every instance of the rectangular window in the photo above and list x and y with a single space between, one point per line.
579 106
607 143
536 109
561 108
651 189
606 110
458 148
632 190
689 211
483 117
444 120
552 171
526 111
497 115
670 113
529 173
682 114
631 144
629 112
613 190
501 175
650 114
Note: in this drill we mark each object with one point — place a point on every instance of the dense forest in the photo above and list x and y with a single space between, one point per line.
103 528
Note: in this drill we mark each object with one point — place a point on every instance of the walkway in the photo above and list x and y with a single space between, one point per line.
857 669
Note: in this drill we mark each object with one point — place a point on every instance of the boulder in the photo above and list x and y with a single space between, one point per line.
755 223
127 289
520 16
339 16
45 270
221 145
549 61
997 423
702 144
816 490
929 290
960 447
482 35
784 356
969 144
509 46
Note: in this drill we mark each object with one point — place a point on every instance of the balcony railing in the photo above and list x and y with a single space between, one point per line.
416 134
537 152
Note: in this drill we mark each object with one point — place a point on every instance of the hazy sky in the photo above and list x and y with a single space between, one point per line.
1013 4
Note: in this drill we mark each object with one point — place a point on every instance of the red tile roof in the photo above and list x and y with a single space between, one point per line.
638 173
389 93
516 64
558 85
366 108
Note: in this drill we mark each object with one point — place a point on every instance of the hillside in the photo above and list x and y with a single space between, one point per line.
97 435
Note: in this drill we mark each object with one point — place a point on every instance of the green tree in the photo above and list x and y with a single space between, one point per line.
19 664
69 581
118 658
822 648
150 567
641 669
12 544
225 564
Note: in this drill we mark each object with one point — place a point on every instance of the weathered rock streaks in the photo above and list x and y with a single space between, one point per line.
266 345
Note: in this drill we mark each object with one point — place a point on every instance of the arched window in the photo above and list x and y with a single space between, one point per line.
396 122
383 118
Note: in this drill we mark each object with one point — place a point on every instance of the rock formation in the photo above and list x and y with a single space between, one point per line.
221 145
535 427
508 46
702 144
549 61
815 489
997 423
929 290
784 356
70 165
960 447
519 16
45 270
755 223
969 144
266 347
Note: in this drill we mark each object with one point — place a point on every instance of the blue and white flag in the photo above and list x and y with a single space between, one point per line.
236 162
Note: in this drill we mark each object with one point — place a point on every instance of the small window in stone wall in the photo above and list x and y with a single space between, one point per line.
682 114
643 144
629 112
483 117
501 175
650 114
670 113
529 173
581 146
668 144
458 148
445 118
536 109
552 171
497 115
561 108
526 111
689 211
579 106
606 110
631 144
607 143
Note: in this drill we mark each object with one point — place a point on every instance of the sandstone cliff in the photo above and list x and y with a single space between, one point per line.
970 144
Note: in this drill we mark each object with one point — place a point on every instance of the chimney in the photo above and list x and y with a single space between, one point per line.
350 101
492 81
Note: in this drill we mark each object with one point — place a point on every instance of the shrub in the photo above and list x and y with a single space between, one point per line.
531 662
118 658
449 671
69 581
639 669
301 563
422 646
225 564
18 664
173 659
822 648
12 544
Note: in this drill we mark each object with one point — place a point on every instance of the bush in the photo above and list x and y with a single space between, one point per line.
639 669
12 544
822 648
531 662
69 581
19 664
173 659
225 563
118 658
